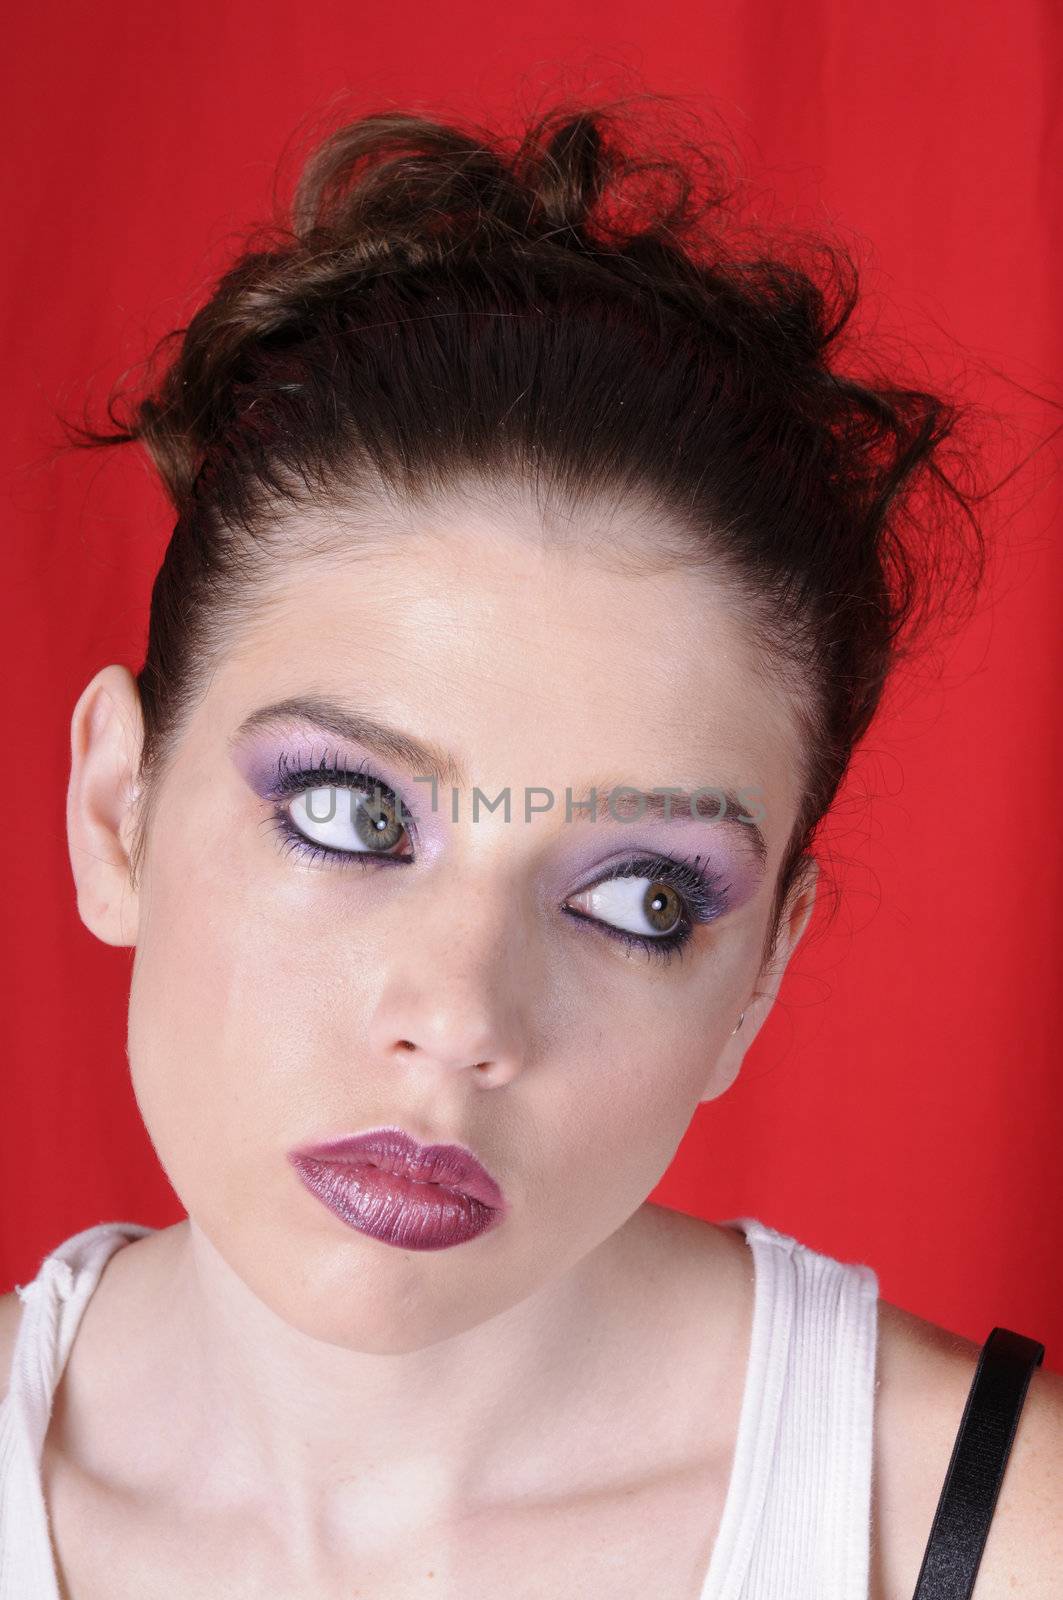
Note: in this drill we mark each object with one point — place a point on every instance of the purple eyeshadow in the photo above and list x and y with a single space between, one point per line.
732 870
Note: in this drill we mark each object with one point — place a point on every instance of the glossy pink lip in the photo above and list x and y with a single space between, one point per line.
393 1150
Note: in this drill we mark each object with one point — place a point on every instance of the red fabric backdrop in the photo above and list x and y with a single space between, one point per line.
902 1106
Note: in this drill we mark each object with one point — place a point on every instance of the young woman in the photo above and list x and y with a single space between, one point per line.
535 574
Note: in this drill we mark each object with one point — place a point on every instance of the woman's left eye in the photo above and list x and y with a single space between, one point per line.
637 904
652 902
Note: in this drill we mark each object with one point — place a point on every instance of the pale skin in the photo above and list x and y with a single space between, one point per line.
325 1414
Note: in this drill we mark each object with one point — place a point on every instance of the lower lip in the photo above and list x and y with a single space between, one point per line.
397 1210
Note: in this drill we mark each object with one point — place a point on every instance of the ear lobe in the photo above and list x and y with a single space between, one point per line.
106 732
728 1063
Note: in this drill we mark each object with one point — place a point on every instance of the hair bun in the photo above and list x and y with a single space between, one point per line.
395 183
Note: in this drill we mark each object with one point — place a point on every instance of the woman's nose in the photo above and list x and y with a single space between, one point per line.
457 994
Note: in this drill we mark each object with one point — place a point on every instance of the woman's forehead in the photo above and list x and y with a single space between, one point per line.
480 625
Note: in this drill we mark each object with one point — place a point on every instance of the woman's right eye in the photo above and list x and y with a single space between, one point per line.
345 819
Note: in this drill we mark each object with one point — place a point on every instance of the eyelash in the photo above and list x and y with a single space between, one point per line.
703 891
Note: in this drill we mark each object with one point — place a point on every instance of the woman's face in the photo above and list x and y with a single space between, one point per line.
283 996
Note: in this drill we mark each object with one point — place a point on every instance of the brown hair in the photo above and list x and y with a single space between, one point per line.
575 311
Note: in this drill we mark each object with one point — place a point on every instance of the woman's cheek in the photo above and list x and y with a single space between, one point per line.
199 1008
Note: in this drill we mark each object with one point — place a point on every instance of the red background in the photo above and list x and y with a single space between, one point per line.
902 1105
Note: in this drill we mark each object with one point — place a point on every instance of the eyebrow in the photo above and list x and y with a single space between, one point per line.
429 760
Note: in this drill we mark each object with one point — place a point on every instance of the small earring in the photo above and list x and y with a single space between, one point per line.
739 1023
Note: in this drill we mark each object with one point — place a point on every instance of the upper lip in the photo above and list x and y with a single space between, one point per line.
394 1150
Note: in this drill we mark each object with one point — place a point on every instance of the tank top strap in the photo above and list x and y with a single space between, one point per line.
52 1308
796 1518
53 1305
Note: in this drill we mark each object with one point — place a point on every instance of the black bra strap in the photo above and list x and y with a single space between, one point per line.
979 1456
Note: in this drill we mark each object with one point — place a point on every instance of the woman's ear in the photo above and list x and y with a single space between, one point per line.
106 731
795 920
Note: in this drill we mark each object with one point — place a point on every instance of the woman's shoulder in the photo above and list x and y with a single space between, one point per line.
72 1271
923 1376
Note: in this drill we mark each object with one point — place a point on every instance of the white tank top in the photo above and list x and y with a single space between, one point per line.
797 1514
